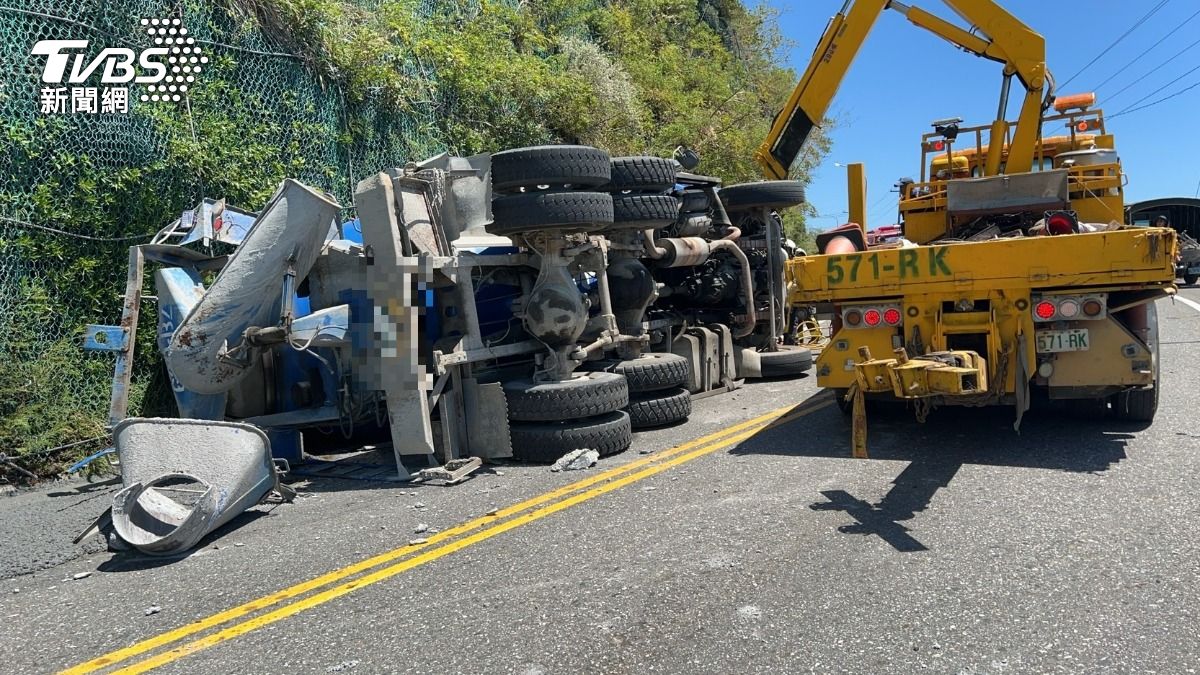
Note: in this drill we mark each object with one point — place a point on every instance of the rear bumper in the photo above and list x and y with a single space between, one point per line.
997 349
959 373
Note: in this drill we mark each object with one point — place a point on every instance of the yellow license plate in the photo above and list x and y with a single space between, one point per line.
1071 340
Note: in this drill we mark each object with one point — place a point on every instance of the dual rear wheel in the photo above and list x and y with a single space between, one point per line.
549 419
657 395
597 410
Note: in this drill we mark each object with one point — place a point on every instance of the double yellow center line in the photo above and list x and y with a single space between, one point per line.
439 545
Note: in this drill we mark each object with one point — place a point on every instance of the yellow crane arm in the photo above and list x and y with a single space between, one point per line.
835 51
997 35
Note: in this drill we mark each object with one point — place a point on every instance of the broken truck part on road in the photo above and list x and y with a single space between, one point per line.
185 478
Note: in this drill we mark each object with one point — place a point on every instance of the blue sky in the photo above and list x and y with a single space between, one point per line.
883 105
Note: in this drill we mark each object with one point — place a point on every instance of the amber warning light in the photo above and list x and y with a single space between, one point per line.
1074 101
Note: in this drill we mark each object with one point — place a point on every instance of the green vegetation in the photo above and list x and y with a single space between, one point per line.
628 76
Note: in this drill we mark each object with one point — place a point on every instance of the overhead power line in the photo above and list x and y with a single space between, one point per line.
1154 103
1147 50
1151 72
1156 91
1124 35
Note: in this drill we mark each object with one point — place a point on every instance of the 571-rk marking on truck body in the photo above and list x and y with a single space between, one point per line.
842 268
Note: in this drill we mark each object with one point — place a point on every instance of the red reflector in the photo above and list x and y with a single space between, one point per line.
1060 223
938 145
872 317
1044 310
1082 126
891 316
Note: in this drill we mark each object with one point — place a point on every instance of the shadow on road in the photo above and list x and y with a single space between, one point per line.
102 485
134 560
1055 440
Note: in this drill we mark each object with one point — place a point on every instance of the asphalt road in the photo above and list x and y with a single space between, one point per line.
960 546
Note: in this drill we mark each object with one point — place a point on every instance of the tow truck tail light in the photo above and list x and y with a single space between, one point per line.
1070 308
1061 222
874 316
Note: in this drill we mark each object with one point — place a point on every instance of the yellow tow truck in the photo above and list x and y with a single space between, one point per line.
1014 271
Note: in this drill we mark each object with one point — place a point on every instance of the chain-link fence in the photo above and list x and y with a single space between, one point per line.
82 178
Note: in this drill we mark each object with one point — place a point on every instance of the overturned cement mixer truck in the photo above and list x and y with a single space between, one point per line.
521 304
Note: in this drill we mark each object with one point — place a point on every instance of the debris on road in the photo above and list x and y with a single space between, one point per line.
421 527
749 612
576 460
152 609
81 575
452 473
418 541
177 492
419 505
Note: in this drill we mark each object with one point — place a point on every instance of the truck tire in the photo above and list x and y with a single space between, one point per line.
788 361
694 201
694 225
554 165
774 194
1191 279
643 212
1136 405
584 395
650 372
565 211
547 441
1140 405
659 408
642 174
